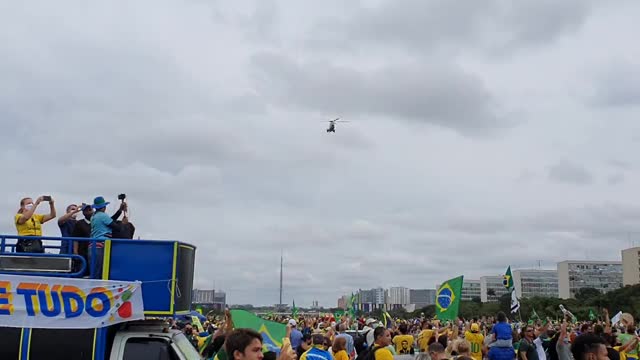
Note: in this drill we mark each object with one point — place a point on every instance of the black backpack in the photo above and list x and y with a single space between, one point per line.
360 342
368 354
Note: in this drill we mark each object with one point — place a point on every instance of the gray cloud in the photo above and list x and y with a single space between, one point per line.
423 27
615 179
209 116
617 85
570 173
436 93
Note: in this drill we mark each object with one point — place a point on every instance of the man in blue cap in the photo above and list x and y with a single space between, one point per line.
101 229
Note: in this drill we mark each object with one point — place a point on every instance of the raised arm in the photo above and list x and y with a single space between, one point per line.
64 218
607 321
26 215
52 212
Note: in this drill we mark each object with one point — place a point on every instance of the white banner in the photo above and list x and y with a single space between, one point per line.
67 303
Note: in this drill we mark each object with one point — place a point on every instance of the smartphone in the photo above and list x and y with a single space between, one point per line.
46 198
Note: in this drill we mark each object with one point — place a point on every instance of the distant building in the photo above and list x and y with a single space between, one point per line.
399 297
209 298
470 290
203 297
492 288
342 302
373 299
422 297
220 300
536 283
631 266
575 275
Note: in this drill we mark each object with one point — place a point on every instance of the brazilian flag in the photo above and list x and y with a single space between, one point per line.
507 280
448 299
272 332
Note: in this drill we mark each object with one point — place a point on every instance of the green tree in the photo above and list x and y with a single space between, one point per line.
586 294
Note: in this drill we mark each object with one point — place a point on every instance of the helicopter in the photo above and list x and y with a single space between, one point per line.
332 125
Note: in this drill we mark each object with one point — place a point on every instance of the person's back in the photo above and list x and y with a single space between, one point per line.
476 341
423 338
317 352
502 347
503 335
403 343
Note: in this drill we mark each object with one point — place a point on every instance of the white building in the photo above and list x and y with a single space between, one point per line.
379 296
492 288
631 266
399 297
574 275
470 290
422 297
199 296
535 283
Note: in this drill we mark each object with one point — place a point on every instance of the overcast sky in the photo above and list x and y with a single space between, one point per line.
481 134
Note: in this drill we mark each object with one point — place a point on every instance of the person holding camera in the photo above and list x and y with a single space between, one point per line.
28 223
67 223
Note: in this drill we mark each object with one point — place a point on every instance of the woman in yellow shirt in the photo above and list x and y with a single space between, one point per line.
339 349
28 223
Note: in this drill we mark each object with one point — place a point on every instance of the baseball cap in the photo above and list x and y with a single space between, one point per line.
293 322
475 327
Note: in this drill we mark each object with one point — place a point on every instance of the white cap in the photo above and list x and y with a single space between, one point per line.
293 322
369 321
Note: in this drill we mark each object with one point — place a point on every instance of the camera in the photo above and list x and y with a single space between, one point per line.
121 197
46 198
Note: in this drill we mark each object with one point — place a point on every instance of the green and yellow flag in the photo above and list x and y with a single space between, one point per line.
448 299
534 315
508 279
272 332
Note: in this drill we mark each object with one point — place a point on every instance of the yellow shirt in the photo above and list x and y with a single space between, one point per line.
341 355
403 344
423 339
31 227
477 341
383 353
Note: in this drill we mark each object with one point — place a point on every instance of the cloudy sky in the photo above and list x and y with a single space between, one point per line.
480 135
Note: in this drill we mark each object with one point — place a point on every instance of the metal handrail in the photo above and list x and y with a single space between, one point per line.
8 245
78 273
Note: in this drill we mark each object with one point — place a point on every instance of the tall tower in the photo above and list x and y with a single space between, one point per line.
281 267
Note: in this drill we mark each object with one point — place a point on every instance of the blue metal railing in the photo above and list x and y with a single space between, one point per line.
85 266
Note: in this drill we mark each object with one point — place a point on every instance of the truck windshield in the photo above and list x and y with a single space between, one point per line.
187 350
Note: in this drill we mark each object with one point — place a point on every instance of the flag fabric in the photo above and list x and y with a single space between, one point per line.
534 315
448 299
199 309
205 343
387 320
507 280
616 319
294 310
592 315
272 332
515 304
351 305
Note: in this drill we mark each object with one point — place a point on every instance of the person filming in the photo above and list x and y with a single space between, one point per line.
28 223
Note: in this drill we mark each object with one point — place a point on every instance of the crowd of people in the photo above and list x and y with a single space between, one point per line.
95 224
493 338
